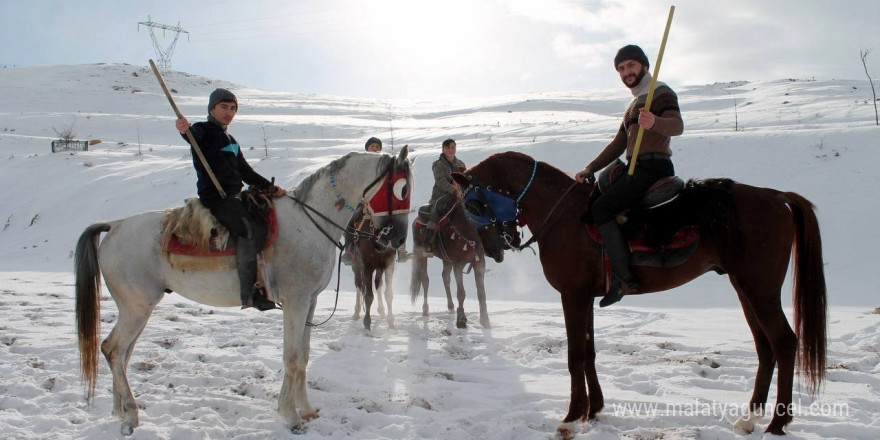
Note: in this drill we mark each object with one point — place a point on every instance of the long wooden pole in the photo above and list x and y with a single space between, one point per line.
635 155
189 135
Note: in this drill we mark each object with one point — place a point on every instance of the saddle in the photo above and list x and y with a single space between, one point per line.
441 243
193 239
645 249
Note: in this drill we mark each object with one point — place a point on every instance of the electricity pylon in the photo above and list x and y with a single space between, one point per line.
163 55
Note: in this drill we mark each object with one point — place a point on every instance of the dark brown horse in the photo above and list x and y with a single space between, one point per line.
458 243
371 262
749 233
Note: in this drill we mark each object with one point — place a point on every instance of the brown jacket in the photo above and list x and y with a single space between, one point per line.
667 123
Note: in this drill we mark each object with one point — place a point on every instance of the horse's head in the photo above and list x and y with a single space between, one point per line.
493 213
387 200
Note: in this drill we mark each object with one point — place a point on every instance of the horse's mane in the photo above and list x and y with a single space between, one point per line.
333 167
499 163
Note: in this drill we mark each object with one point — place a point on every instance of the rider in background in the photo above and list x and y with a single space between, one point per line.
373 145
654 161
443 167
224 157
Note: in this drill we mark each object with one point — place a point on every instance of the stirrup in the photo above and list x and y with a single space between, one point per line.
617 291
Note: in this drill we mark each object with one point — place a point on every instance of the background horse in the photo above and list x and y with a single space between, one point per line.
372 259
749 233
458 243
138 274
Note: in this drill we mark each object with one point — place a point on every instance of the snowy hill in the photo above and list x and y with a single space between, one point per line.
811 137
816 138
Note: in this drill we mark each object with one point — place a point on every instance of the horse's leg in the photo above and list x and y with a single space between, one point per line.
460 317
357 302
479 280
358 270
306 410
419 277
445 275
782 341
377 283
296 313
574 307
368 299
389 292
117 349
597 400
755 412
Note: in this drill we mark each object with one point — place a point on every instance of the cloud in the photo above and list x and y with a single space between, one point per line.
585 54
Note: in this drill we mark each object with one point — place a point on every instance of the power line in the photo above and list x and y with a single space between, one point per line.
163 55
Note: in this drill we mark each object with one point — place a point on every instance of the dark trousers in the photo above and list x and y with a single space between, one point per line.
627 190
247 234
232 214
623 194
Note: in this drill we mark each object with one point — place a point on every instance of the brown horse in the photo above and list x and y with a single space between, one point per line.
749 233
369 259
458 243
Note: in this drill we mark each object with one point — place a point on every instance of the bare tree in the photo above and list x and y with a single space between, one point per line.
66 134
864 55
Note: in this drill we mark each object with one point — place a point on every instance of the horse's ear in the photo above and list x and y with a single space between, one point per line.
403 153
461 179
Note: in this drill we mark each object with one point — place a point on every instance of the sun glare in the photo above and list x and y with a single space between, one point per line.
425 32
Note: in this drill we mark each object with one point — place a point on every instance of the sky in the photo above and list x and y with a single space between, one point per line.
414 49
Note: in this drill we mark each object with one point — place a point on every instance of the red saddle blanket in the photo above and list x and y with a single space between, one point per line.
176 247
683 238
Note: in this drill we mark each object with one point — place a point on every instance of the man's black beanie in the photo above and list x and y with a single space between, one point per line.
221 95
373 140
631 52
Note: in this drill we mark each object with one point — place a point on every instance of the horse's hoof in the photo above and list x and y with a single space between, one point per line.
485 323
126 429
299 429
745 425
566 431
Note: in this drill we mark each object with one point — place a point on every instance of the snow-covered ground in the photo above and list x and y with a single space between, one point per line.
676 365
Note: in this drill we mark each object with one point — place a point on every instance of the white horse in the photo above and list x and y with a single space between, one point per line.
138 274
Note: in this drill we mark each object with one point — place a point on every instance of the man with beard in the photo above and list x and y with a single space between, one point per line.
654 161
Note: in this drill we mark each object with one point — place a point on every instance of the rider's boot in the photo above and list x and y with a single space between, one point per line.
429 240
252 294
623 281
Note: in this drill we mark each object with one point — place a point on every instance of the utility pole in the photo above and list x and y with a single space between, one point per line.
163 54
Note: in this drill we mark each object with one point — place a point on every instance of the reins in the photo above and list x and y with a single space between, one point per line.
306 209
338 244
540 228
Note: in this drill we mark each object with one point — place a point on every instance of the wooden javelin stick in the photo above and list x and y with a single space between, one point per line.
189 135
635 156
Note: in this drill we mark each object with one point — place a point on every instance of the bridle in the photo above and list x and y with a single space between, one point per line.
482 189
385 177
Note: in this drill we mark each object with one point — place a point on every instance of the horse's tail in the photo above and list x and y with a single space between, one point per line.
419 276
810 314
88 302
